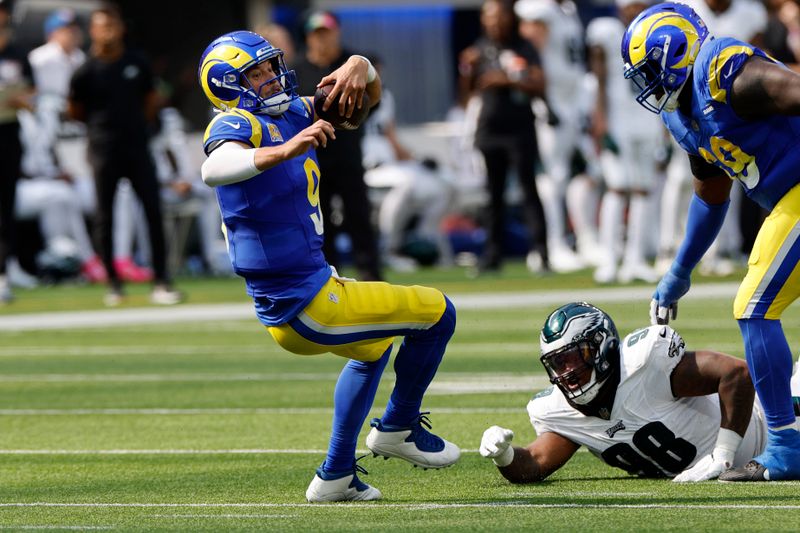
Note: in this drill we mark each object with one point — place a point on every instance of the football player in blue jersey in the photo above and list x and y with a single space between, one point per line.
263 165
736 111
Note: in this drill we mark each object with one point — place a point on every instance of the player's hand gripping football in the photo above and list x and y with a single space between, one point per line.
708 467
351 82
496 444
314 136
664 305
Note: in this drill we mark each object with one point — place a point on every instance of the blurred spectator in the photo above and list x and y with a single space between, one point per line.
183 192
49 194
15 94
506 72
341 161
782 36
418 191
113 94
628 138
53 64
555 29
279 37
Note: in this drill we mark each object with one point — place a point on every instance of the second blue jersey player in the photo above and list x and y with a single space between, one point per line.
736 111
262 162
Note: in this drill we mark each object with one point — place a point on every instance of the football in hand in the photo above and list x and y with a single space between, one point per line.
332 115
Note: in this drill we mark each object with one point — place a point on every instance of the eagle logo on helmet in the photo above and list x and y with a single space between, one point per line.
222 68
659 49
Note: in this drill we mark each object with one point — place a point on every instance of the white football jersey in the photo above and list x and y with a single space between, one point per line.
562 58
743 20
627 119
650 432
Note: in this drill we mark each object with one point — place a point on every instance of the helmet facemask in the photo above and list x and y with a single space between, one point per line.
579 345
274 104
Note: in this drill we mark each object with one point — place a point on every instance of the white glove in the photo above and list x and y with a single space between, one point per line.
709 467
496 445
718 461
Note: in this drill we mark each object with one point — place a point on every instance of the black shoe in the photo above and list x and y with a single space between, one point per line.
752 471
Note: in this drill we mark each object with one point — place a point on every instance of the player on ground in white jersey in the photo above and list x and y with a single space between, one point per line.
642 404
628 141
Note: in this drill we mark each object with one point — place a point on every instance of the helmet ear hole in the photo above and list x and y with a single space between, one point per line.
680 50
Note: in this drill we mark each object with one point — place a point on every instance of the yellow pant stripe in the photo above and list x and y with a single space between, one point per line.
773 277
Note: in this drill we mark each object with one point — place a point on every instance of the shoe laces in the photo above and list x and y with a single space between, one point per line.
357 468
421 434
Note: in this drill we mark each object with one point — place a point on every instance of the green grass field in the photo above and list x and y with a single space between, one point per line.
209 426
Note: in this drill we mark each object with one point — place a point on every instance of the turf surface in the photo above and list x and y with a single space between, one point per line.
209 426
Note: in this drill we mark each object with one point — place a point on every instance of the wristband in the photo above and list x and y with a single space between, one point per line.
371 72
506 458
728 442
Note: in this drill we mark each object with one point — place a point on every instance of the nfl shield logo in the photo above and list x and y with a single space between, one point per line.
274 133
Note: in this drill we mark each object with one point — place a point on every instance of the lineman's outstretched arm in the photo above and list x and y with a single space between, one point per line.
706 214
706 372
545 455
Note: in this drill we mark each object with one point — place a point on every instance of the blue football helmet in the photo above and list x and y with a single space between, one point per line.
222 69
579 348
659 49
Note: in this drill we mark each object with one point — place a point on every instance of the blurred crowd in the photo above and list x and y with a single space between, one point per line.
549 156
612 188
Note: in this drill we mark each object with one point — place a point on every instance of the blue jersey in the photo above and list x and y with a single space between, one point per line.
763 155
273 221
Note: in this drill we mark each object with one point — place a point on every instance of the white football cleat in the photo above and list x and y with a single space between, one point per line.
606 273
563 260
630 272
340 487
164 295
18 277
413 443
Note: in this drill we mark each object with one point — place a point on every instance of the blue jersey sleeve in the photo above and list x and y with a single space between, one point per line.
308 108
235 125
725 64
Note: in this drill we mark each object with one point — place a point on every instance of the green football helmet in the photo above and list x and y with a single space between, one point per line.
579 346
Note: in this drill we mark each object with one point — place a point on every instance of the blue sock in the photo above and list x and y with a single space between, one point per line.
770 361
352 400
415 365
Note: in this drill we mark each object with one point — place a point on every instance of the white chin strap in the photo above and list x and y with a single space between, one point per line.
277 104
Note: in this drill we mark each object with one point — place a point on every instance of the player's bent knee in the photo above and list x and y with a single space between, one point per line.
446 325
449 316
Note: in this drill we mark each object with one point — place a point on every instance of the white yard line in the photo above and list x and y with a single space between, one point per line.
522 504
185 451
214 312
239 411
225 350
